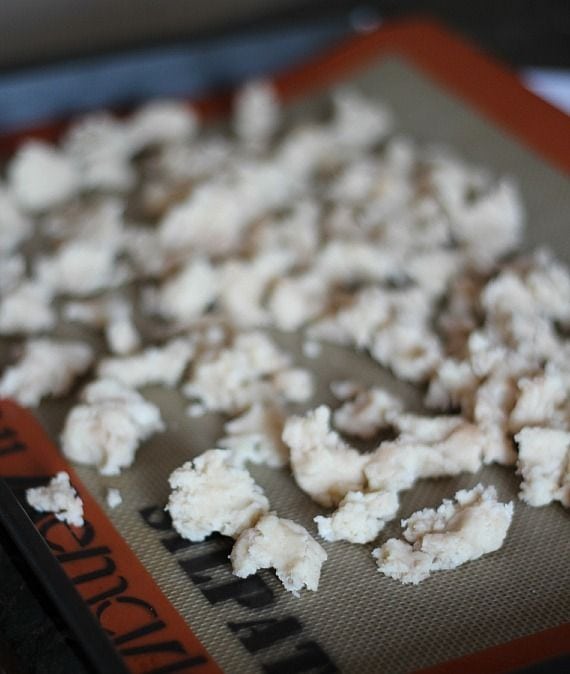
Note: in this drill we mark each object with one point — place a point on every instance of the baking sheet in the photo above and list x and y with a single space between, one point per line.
359 621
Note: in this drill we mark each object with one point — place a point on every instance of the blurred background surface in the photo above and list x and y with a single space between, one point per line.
62 57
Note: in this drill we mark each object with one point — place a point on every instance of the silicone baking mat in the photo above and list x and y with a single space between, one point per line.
358 621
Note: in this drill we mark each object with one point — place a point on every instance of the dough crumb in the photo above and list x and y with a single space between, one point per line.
544 464
113 497
457 532
284 545
211 494
59 498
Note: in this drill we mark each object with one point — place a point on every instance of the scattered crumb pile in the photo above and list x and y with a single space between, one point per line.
176 248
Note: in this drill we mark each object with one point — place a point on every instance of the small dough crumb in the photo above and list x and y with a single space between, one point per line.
441 539
58 497
211 494
544 464
107 429
113 498
360 517
46 368
255 436
398 464
368 413
155 365
324 466
284 545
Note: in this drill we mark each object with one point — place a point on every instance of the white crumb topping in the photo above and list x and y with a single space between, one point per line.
27 309
59 498
544 465
256 113
368 413
457 532
278 543
239 375
155 365
360 517
397 465
41 177
255 436
210 494
108 427
113 498
15 226
323 465
46 368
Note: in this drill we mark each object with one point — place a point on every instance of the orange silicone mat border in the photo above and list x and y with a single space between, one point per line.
148 632
496 93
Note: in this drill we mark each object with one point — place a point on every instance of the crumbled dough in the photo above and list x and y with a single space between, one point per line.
100 149
256 113
46 368
544 464
293 384
121 333
244 284
15 227
155 365
240 375
445 538
210 494
420 428
12 271
113 498
159 122
255 436
540 402
278 543
41 177
312 349
494 401
368 413
360 517
323 465
108 427
398 464
185 296
344 389
27 309
58 497
82 268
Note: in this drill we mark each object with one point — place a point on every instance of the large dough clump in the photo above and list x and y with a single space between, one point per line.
441 539
107 429
281 544
211 494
